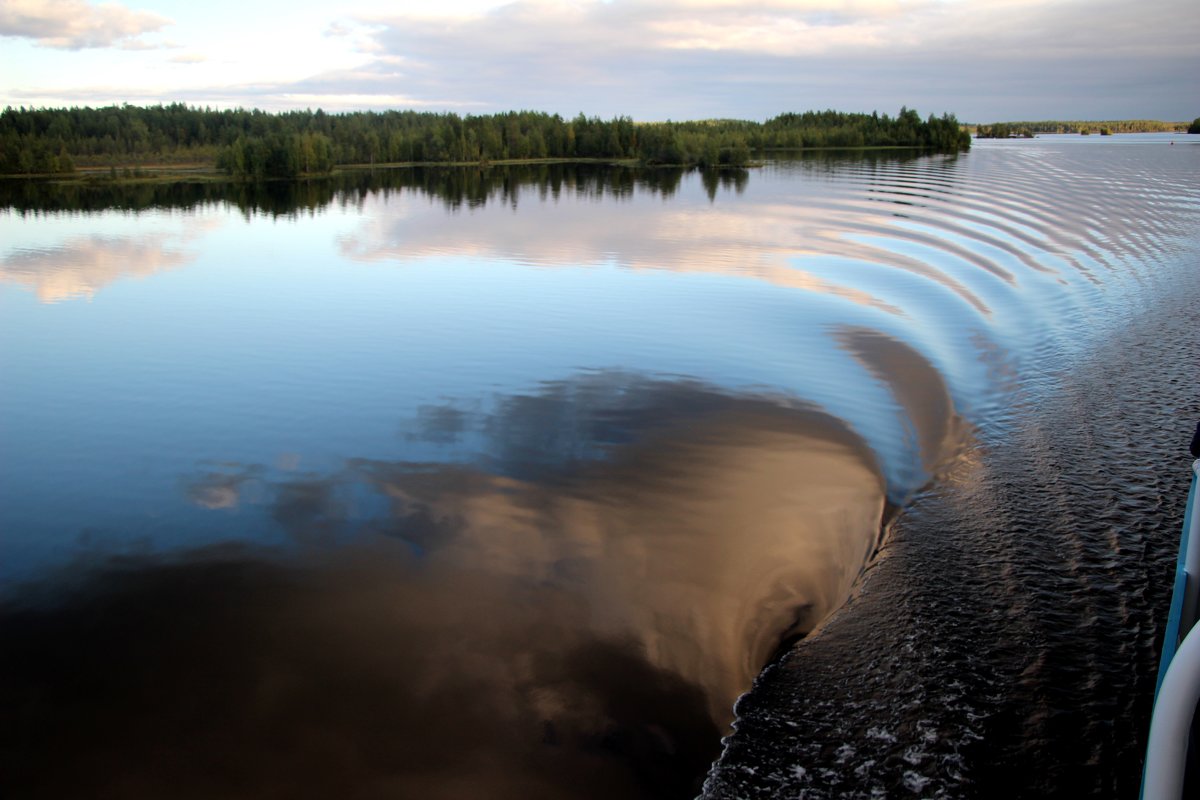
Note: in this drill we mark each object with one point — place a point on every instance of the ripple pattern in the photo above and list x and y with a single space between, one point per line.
1004 643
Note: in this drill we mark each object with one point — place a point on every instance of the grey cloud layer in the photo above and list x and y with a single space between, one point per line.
1010 59
656 60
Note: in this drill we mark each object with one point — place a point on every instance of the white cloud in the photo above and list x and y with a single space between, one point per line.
655 59
75 24
350 102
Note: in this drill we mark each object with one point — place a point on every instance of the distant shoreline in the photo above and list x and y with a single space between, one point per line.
261 146
140 173
1108 127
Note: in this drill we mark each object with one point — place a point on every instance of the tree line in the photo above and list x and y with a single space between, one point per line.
1009 130
257 144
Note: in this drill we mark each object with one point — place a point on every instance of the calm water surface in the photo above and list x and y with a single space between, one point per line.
512 481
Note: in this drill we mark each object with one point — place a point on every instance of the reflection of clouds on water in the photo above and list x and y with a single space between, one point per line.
766 240
225 486
442 424
907 216
82 265
904 215
699 525
357 674
572 615
222 492
310 509
920 391
703 542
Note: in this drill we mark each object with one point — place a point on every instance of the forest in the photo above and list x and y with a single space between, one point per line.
1013 130
254 144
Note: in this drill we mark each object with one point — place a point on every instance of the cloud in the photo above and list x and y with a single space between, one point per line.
356 33
379 85
76 25
659 59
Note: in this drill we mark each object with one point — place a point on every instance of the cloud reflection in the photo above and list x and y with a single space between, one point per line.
919 388
573 615
735 518
760 240
229 675
82 265
224 486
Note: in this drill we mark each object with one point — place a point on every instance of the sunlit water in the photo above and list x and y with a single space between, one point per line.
510 482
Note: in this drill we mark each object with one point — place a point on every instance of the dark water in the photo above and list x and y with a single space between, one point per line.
509 482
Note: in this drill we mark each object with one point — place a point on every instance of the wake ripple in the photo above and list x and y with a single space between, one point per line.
1004 641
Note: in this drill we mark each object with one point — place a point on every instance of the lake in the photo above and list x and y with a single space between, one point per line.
512 480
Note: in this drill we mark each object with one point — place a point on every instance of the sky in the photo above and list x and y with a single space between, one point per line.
983 60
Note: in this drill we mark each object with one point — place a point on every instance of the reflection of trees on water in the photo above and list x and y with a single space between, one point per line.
273 198
455 187
725 180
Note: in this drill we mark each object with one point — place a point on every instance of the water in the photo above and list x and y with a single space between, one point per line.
434 481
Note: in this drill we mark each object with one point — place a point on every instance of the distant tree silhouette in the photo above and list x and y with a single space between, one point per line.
257 145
